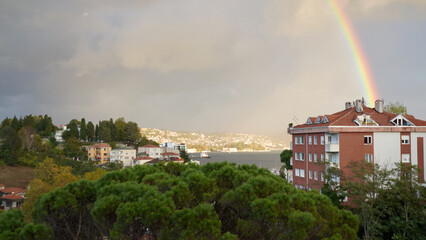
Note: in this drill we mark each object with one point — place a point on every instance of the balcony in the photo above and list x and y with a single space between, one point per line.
332 147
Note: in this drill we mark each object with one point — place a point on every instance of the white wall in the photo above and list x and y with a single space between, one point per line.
387 148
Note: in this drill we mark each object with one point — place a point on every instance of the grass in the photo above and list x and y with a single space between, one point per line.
19 176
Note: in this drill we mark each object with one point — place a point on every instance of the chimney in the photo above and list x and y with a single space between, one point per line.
379 106
358 106
348 105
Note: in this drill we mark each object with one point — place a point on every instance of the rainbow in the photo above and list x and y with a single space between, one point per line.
361 62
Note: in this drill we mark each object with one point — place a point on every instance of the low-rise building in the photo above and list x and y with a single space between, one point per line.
11 197
100 152
151 151
123 155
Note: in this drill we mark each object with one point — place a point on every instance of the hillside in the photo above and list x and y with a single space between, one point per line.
214 141
19 176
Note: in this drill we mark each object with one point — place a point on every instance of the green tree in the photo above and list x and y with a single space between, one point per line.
104 131
83 130
48 126
285 157
120 125
397 108
29 121
73 128
11 145
72 148
90 131
183 154
113 130
15 124
175 201
6 122
12 226
132 132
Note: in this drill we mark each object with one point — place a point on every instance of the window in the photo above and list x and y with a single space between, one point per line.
405 158
322 140
405 139
296 140
302 172
310 174
368 139
368 158
315 140
297 172
322 157
316 175
310 140
296 156
302 156
322 176
310 157
90 154
302 140
329 139
315 157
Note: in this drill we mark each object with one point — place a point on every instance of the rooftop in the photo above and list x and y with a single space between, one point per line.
364 117
12 197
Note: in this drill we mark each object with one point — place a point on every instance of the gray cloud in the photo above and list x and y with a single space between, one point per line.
245 66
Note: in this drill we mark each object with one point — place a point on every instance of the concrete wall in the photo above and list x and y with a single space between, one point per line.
387 148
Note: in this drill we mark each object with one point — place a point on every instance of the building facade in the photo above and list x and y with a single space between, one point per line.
358 133
11 197
123 155
100 152
151 151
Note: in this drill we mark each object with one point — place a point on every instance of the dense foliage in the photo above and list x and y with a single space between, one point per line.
174 201
389 203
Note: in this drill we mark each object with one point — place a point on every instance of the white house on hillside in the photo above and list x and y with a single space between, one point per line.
124 155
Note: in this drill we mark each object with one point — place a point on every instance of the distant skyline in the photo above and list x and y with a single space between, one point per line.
216 66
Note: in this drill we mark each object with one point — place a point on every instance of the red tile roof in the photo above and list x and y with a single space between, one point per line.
12 197
150 146
102 145
170 154
12 190
348 116
143 158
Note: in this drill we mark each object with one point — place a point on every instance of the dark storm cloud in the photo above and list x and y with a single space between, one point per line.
190 65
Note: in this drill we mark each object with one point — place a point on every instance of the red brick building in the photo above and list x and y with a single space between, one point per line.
354 134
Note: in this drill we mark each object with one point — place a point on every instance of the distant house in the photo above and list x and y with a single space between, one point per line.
11 197
123 155
100 152
142 160
169 155
151 151
58 134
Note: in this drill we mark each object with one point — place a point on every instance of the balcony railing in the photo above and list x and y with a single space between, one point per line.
332 147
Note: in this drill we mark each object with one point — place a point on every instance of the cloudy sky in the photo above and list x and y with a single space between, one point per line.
224 65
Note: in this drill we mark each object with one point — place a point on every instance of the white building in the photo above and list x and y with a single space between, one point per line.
151 151
124 155
58 134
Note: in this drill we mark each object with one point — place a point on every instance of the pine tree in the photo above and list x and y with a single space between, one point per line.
90 131
83 130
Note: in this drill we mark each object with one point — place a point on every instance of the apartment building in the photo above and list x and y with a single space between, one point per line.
100 152
123 155
358 133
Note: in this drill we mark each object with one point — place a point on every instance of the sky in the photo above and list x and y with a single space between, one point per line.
195 65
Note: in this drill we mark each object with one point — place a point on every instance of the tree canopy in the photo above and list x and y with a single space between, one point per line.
396 107
175 201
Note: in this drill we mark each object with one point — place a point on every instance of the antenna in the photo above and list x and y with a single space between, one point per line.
296 119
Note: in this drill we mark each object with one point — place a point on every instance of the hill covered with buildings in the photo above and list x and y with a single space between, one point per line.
215 141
